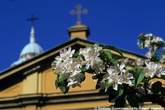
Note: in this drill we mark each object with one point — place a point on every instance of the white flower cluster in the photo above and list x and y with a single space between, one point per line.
91 55
119 75
162 59
150 40
89 58
152 69
64 61
66 64
92 59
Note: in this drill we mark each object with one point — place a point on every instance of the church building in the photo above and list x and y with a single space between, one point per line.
29 84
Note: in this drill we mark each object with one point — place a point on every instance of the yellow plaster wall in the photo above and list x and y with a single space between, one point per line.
30 84
88 84
48 79
12 91
30 107
81 35
44 83
152 106
48 83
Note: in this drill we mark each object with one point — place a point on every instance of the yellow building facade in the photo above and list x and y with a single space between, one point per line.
31 84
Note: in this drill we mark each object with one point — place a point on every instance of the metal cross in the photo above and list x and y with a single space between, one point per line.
32 19
78 11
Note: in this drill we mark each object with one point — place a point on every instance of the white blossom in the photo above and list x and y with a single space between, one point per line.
121 68
119 76
63 61
150 41
65 54
75 79
139 62
91 55
147 43
113 77
72 82
149 54
156 40
162 71
66 64
148 35
153 69
126 78
63 65
75 69
162 60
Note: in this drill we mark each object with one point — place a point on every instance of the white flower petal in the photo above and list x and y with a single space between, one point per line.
152 69
115 87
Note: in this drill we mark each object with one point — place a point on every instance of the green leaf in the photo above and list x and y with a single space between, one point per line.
154 57
120 90
107 85
120 101
138 74
63 77
156 87
112 93
133 100
81 77
106 56
99 84
141 37
56 83
62 82
64 89
163 91
53 63
163 77
83 69
76 55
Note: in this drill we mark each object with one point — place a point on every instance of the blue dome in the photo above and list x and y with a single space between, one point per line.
31 48
29 51
19 61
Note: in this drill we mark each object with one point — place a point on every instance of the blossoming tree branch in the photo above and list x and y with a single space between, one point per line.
126 81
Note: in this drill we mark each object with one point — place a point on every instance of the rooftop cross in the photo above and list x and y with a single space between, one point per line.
32 19
78 11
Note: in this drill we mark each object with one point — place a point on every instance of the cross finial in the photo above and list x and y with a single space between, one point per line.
32 19
78 11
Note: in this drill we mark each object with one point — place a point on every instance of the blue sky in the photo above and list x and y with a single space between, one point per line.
113 22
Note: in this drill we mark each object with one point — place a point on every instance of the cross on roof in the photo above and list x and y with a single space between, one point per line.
32 19
78 11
